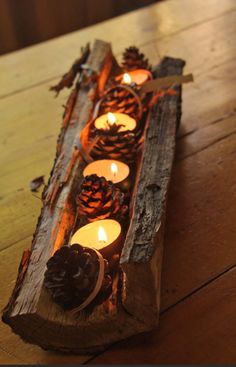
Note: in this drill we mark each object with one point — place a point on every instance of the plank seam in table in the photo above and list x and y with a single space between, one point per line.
153 41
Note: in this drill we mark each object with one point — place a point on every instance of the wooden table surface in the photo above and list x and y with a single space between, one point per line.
198 320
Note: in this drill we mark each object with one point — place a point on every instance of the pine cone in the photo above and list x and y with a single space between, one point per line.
134 59
120 100
113 144
100 199
71 276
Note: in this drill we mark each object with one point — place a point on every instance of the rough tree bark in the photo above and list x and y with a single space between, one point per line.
135 307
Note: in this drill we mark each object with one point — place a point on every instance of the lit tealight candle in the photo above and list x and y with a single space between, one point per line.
97 235
139 77
126 79
111 169
126 122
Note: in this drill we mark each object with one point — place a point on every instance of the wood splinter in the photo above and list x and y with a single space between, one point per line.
68 79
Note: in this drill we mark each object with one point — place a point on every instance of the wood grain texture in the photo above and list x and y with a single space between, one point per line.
32 138
205 38
203 138
22 126
141 256
30 311
212 40
13 349
27 68
196 253
218 83
53 229
193 332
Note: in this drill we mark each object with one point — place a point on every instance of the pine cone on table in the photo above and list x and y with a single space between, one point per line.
115 144
100 199
134 59
72 274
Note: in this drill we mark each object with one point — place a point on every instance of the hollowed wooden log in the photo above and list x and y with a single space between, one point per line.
31 313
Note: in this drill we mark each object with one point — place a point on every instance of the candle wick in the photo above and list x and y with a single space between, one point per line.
111 123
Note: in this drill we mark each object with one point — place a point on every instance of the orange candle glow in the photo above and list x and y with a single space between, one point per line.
139 77
111 169
97 235
103 122
102 236
114 169
126 79
111 118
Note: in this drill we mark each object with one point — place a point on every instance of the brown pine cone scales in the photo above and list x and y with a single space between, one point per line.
120 100
100 199
134 59
114 144
71 277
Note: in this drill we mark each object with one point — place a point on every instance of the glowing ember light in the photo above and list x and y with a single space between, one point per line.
111 118
102 236
127 78
98 234
114 169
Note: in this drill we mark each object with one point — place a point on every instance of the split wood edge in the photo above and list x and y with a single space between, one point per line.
30 311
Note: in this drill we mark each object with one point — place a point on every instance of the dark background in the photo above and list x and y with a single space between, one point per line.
26 22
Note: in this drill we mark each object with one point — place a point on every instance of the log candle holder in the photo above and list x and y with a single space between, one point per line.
134 304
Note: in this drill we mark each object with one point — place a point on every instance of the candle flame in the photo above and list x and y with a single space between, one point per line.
111 118
114 169
102 236
127 78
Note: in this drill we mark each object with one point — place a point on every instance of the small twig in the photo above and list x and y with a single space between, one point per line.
37 197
